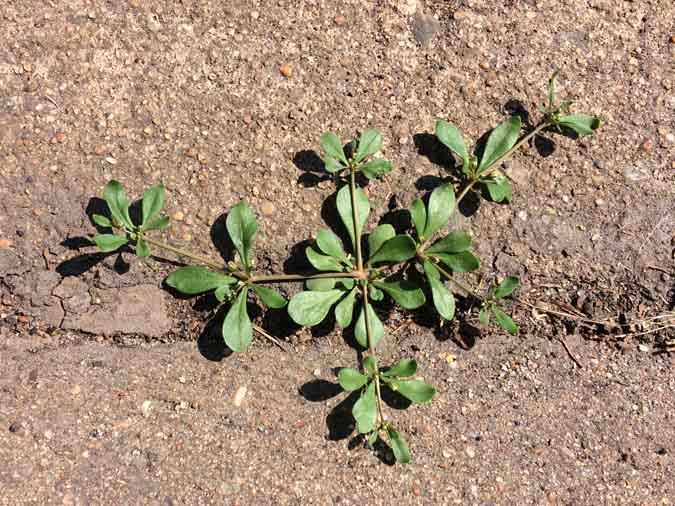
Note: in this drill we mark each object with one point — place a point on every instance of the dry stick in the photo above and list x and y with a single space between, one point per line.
364 288
498 161
262 332
569 352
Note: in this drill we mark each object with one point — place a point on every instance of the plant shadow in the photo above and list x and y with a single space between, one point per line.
210 342
221 239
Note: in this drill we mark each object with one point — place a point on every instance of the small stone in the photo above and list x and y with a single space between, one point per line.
5 243
267 208
99 149
239 396
190 153
634 173
76 390
299 424
27 67
14 427
286 70
670 138
416 491
461 14
647 146
470 452
179 216
643 348
340 20
145 408
147 130
120 425
182 379
672 39
110 160
48 435
60 137
316 372
425 27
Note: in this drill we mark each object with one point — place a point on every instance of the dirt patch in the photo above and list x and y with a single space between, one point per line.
193 94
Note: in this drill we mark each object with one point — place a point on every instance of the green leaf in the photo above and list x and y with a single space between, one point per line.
373 437
582 124
506 287
499 188
454 242
405 293
348 283
322 262
109 242
402 369
193 279
379 235
376 328
398 446
414 390
153 200
351 379
504 320
269 297
483 317
376 168
441 205
237 330
101 221
310 308
332 165
344 311
444 300
374 293
241 226
397 249
142 249
222 292
117 203
370 365
418 215
450 135
330 244
369 143
365 410
344 206
502 138
332 146
459 262
159 224
321 284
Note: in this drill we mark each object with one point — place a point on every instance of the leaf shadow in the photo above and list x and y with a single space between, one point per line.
210 342
437 153
221 239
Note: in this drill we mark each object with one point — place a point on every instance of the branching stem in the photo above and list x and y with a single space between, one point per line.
495 166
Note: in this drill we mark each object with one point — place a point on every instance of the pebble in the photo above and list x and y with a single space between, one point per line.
286 70
14 427
267 208
5 243
470 452
110 160
76 390
145 408
634 173
179 216
99 149
643 348
239 396
340 20
182 379
425 27
647 146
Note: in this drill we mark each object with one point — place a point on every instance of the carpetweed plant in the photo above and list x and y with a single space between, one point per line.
406 267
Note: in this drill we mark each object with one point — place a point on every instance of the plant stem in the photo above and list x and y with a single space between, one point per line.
364 288
497 163
273 278
187 254
459 285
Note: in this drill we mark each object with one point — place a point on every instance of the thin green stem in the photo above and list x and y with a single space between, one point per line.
452 279
187 254
274 278
364 288
371 350
497 163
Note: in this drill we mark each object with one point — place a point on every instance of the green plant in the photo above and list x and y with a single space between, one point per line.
406 266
